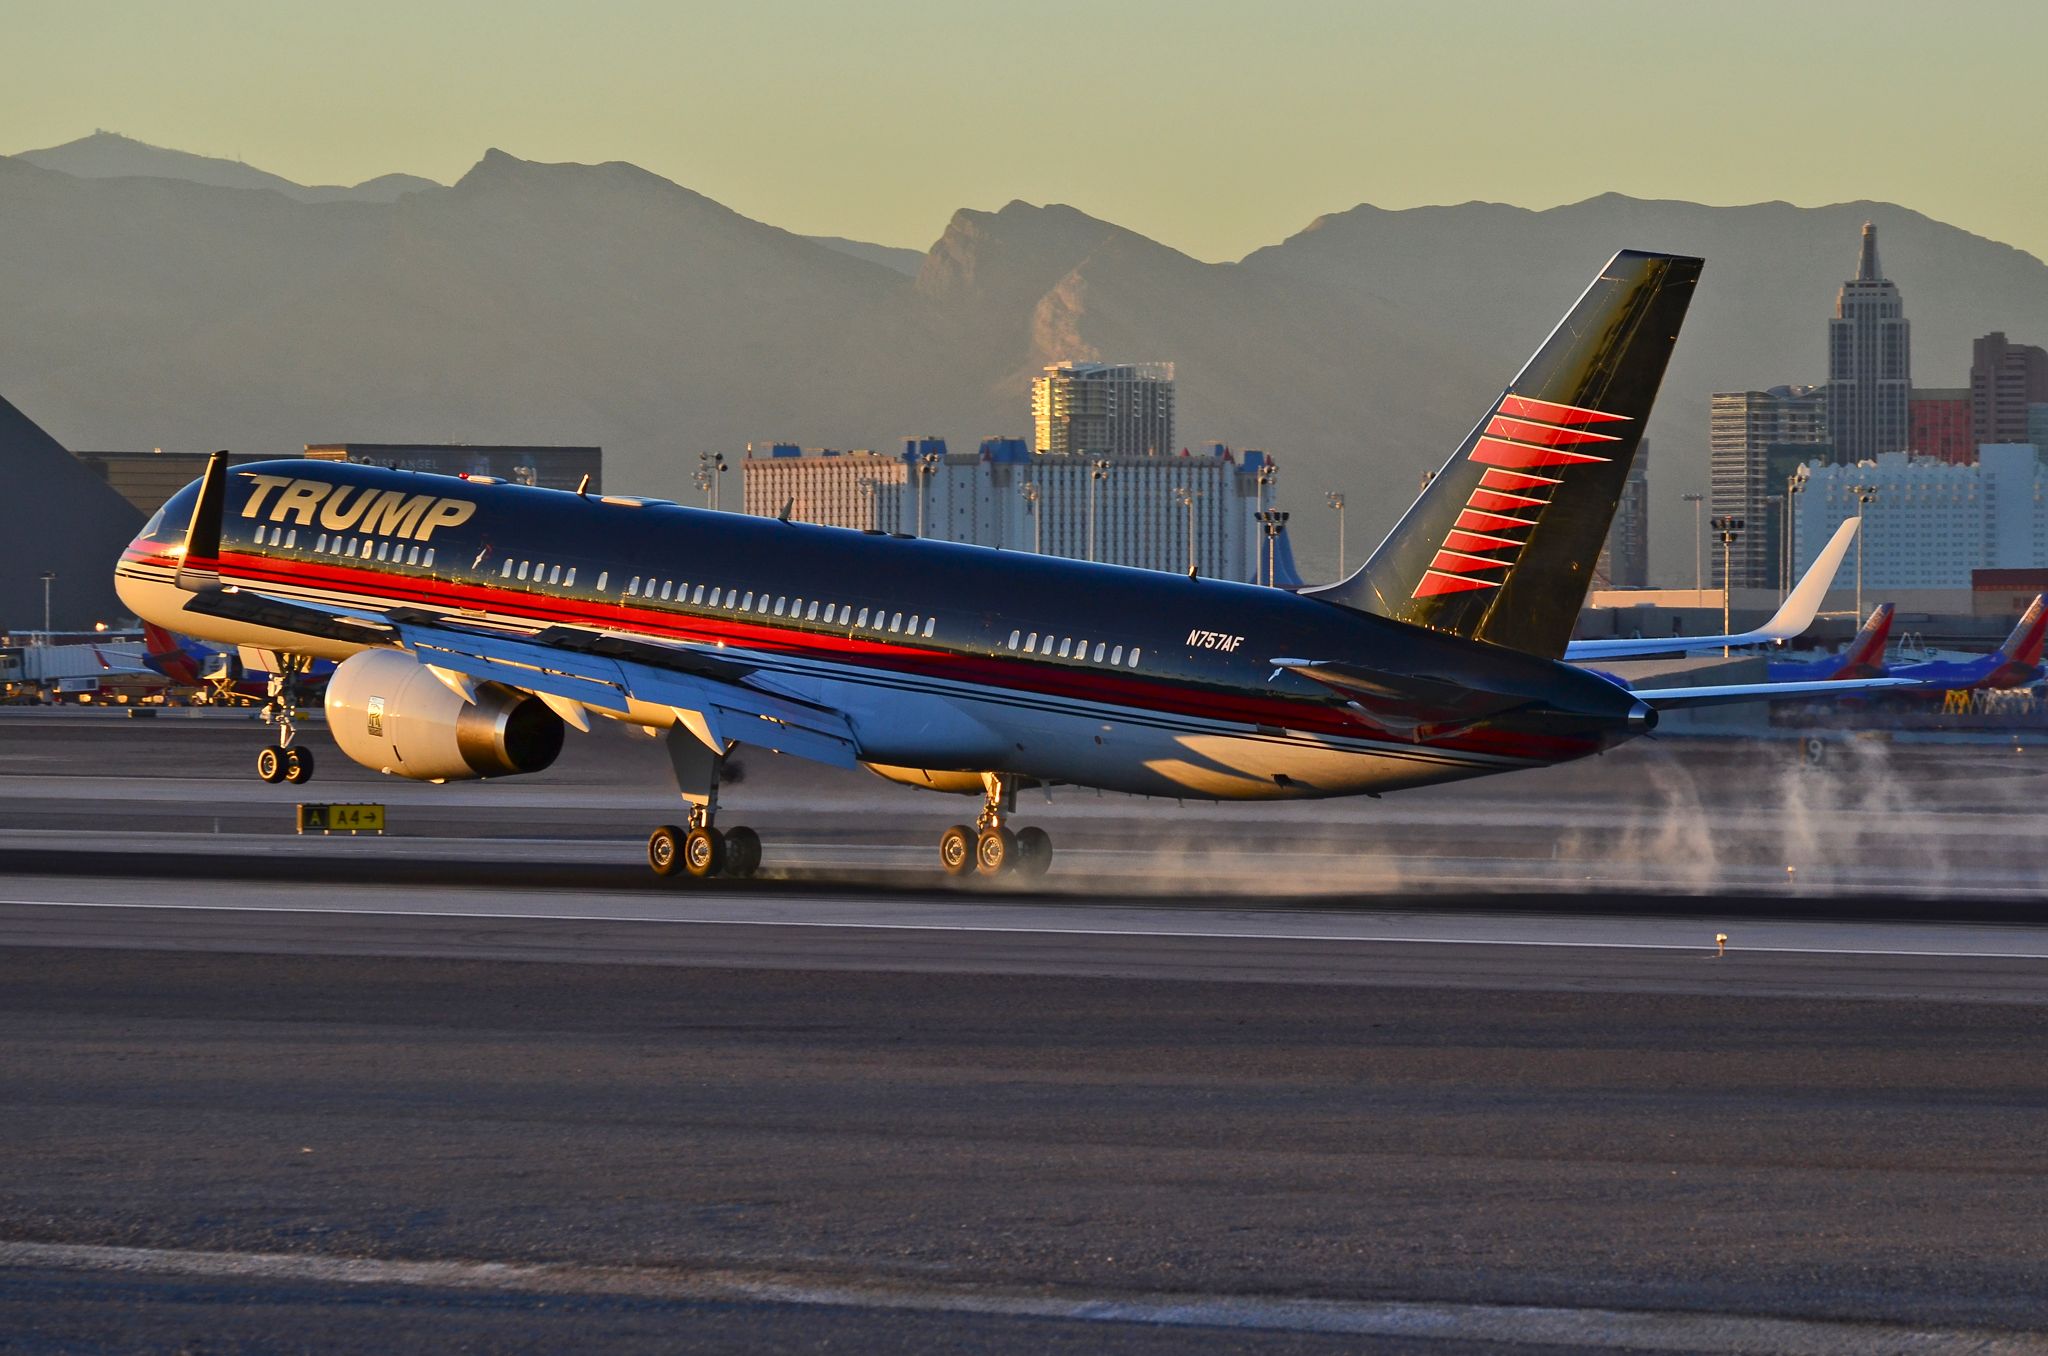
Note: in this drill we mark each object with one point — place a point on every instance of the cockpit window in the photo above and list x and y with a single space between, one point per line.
170 523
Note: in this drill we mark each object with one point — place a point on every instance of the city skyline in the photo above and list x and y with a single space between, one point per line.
878 123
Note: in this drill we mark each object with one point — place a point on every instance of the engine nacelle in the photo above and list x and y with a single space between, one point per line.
390 714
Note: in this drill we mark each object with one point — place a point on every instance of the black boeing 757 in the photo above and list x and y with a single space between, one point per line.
472 622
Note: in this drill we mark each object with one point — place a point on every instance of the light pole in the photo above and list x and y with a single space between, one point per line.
1727 528
1272 520
1186 499
1029 489
49 578
1699 580
1098 471
1267 472
1864 495
927 467
1337 502
1793 486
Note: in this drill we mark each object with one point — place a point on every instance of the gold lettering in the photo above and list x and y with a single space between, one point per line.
336 515
300 498
397 514
446 513
261 486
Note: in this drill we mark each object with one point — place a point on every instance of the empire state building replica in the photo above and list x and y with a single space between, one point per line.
1870 366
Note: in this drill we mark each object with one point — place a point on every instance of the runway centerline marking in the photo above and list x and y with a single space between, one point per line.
1582 1328
1703 948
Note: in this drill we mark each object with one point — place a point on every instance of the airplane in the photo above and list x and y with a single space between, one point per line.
1864 657
2015 663
1792 618
473 622
223 675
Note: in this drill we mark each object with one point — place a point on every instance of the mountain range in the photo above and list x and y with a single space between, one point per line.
155 298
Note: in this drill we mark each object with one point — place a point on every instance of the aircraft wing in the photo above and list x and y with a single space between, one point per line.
1668 698
1798 612
719 700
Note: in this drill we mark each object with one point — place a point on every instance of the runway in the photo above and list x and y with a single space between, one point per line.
502 1089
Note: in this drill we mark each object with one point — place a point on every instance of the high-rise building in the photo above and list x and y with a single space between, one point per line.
1870 364
1104 410
1624 561
2005 378
1136 511
1929 523
1942 425
2037 428
1755 440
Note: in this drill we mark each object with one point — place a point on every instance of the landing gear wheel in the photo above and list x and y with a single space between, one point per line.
270 765
665 850
1034 851
995 851
703 852
956 850
298 765
742 852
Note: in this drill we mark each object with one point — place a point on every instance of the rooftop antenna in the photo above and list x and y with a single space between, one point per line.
787 505
583 484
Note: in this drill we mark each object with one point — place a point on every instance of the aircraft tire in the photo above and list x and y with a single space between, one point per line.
995 851
665 850
956 850
742 852
270 765
298 765
1034 852
703 853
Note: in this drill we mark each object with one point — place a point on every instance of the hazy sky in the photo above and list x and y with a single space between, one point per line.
1215 127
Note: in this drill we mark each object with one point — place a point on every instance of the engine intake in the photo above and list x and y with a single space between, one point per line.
389 713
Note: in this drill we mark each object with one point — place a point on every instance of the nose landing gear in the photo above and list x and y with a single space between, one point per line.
990 848
287 762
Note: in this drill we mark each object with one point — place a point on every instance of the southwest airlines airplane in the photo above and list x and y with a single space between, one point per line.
473 622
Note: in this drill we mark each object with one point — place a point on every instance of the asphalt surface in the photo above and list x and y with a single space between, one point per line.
501 1092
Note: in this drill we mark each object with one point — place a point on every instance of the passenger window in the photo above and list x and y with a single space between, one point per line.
1066 645
602 575
321 545
383 550
555 575
862 620
1098 652
896 623
714 597
763 608
748 604
1015 636
352 544
1031 645
912 628
633 587
427 562
698 597
412 557
506 573
523 566
845 611
778 605
1116 656
291 540
1135 652
665 585
569 579
929 623
812 615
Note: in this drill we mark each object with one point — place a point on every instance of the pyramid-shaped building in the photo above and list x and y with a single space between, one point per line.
59 518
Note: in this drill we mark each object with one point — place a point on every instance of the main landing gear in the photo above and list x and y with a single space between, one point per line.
700 850
287 762
990 848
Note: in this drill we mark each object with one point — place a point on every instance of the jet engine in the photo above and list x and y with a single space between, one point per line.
389 712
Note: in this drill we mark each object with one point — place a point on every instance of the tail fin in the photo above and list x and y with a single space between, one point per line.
2023 646
1865 656
1501 545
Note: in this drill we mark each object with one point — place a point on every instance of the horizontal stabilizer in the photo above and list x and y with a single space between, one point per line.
1669 698
1798 612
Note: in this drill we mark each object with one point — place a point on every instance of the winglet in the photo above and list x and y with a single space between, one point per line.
1803 604
201 567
